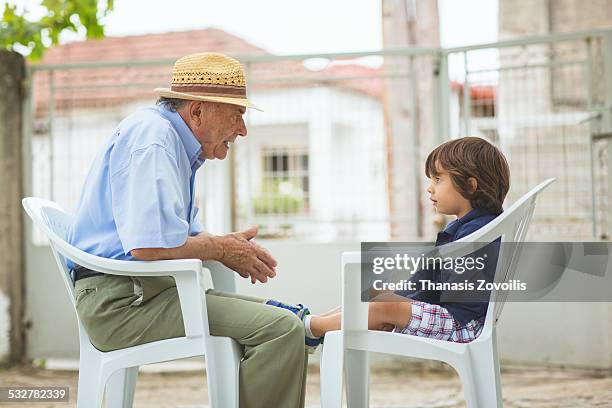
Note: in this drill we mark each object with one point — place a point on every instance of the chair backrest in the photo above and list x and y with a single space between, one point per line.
54 222
511 227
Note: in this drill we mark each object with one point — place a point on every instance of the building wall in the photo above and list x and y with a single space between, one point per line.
568 334
344 134
527 17
542 114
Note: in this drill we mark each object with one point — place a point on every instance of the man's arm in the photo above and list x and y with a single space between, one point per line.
236 251
202 246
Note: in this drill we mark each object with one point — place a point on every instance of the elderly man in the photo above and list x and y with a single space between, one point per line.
138 203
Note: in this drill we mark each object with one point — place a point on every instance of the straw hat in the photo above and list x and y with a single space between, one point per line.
210 77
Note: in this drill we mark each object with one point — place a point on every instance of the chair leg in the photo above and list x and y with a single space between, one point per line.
357 378
332 359
120 388
90 389
223 357
468 381
486 372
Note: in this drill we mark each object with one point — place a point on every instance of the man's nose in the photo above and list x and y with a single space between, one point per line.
242 130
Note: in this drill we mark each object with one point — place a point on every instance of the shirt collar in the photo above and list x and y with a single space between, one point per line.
190 143
453 226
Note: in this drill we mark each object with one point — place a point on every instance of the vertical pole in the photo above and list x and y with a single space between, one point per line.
12 281
50 113
28 115
607 117
27 185
416 165
467 97
444 85
437 96
233 224
589 88
248 174
589 72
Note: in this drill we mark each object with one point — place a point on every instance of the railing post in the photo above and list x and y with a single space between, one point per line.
249 181
589 86
607 115
467 97
50 115
606 120
443 99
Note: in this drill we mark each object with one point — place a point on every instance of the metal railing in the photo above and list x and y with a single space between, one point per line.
339 152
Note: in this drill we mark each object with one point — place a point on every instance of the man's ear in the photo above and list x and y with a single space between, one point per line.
195 112
473 184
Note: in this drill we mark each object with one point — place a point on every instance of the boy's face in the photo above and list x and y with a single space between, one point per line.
445 198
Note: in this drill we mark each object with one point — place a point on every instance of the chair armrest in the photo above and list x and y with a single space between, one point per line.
140 268
354 311
187 274
223 278
120 267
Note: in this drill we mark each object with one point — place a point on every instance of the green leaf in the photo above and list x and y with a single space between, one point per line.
60 15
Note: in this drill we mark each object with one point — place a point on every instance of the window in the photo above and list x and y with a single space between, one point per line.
284 182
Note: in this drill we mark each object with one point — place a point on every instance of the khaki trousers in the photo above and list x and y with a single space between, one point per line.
121 311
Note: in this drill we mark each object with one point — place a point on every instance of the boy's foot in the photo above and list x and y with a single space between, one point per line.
300 311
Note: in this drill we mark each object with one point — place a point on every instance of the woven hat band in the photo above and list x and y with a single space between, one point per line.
211 90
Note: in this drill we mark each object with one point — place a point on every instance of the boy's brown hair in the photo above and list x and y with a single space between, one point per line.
473 157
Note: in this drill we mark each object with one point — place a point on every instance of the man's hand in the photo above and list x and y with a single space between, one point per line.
236 251
246 257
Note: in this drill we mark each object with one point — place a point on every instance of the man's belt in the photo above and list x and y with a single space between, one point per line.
80 272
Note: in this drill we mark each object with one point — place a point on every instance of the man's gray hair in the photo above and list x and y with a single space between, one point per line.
172 104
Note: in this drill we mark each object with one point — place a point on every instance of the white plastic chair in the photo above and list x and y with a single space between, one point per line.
118 370
477 362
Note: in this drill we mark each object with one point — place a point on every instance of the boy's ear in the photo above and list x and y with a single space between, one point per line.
473 184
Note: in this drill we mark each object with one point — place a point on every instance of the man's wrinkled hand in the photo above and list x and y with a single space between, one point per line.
246 257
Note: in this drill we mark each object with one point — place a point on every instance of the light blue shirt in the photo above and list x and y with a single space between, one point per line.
139 192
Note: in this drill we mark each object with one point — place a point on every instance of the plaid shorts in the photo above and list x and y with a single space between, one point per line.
435 322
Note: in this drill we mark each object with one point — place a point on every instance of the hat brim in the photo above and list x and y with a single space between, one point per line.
167 93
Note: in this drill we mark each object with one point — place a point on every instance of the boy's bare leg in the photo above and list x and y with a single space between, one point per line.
338 309
319 325
385 316
381 316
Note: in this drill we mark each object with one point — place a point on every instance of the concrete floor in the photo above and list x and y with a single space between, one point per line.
397 385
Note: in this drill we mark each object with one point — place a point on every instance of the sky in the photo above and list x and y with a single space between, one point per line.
290 26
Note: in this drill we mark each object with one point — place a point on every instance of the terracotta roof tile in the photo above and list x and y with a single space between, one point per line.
150 46
100 87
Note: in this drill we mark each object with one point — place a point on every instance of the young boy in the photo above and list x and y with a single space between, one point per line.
469 179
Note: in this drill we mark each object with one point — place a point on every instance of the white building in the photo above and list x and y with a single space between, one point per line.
313 164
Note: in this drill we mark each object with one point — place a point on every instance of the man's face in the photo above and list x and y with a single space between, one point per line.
216 126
